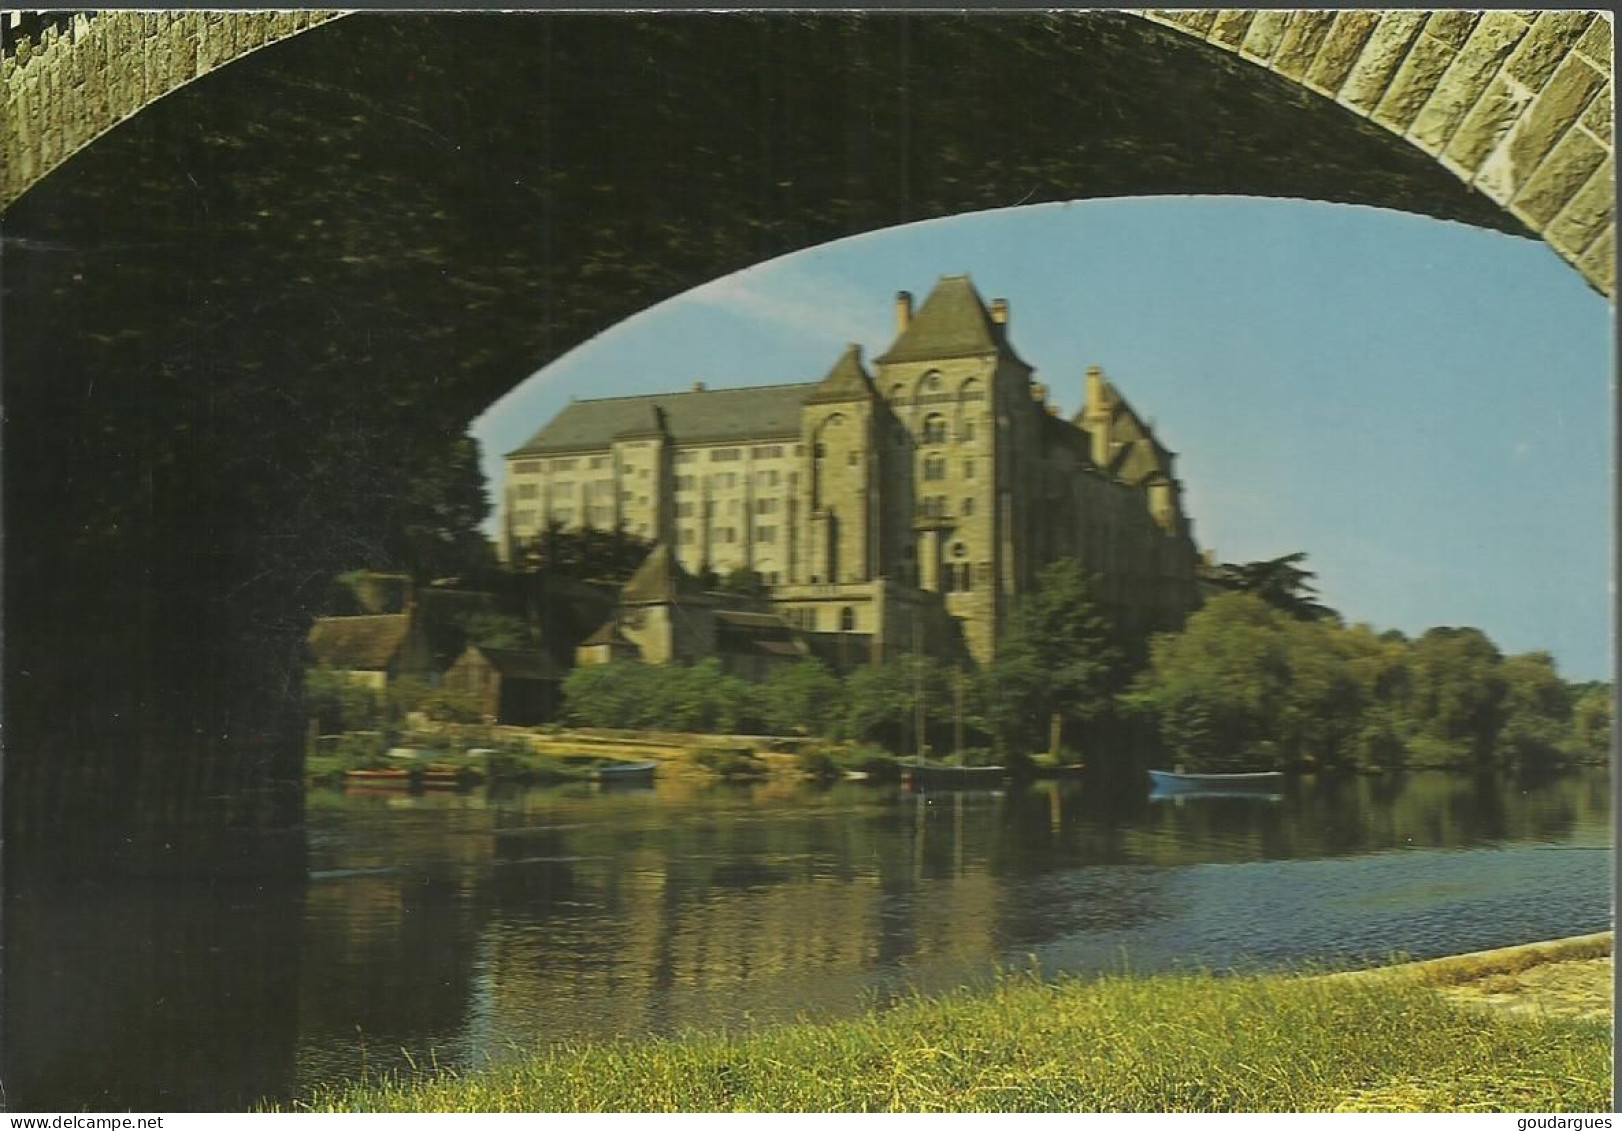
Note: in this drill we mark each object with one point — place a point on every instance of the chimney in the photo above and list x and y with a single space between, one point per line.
698 386
999 311
903 311
1039 392
1095 388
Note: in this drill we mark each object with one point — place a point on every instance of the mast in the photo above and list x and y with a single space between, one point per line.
957 714
918 687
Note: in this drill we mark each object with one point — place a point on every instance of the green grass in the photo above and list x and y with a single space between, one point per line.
1165 1043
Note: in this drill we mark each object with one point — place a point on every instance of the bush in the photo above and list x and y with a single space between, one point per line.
734 762
817 762
447 706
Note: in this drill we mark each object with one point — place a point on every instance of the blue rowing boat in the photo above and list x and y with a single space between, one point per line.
1167 781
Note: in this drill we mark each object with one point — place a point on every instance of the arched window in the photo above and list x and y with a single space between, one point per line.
970 390
932 382
847 619
935 429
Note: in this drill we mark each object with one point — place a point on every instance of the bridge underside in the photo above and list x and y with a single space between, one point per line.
233 322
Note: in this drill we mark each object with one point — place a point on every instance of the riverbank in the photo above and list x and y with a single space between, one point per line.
1399 1039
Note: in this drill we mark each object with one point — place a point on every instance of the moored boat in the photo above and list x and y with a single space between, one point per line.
615 772
954 777
1261 781
378 777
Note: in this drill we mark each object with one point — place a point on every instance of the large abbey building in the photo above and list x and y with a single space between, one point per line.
893 504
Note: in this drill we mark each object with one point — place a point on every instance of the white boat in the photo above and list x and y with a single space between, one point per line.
625 772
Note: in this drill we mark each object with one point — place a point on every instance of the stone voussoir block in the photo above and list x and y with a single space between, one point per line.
1551 39
1598 263
1551 113
1596 44
1380 60
1414 83
1586 214
1230 27
1266 30
1598 118
1485 126
1302 38
1452 28
1345 41
1466 80
1556 181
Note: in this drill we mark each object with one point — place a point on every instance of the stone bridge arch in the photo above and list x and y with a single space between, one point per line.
236 320
1518 105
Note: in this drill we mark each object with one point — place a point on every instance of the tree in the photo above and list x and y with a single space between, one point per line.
1219 688
1591 720
500 630
1282 582
803 697
1455 703
1060 663
743 581
586 553
1536 728
434 517
884 700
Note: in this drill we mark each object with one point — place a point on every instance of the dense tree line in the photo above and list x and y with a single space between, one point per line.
1246 685
1263 677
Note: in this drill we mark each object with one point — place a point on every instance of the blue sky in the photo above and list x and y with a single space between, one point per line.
1424 407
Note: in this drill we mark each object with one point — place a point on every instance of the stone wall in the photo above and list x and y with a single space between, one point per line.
82 79
1515 104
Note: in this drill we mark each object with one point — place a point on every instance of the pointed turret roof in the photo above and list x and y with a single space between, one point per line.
953 322
660 580
846 381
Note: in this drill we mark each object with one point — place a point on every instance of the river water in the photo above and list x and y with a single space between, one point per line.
456 928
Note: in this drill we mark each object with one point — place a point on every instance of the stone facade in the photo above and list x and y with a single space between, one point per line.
910 506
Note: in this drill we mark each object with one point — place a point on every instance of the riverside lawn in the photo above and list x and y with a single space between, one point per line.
1176 1042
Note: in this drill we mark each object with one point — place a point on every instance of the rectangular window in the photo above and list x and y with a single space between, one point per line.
935 468
968 506
684 510
526 490
765 533
968 469
723 455
687 536
563 465
765 506
527 467
523 517
968 431
686 457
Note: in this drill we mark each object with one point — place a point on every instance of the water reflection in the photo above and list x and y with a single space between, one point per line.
458 927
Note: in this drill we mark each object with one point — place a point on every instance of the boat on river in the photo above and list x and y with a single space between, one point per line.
627 773
379 777
1171 781
925 776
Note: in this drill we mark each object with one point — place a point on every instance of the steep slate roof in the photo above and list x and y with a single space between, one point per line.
704 416
659 579
953 322
846 381
358 643
515 664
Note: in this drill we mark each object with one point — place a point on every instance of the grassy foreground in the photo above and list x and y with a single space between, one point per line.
1164 1043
